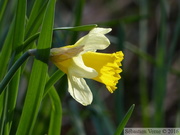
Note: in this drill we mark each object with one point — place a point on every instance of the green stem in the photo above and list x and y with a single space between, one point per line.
14 68
77 28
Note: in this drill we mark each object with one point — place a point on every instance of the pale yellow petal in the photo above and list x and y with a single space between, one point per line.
79 90
95 40
100 30
78 69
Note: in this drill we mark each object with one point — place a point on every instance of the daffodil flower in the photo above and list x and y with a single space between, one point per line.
81 61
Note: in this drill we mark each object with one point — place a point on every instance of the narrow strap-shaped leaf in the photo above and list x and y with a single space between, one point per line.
36 17
52 80
38 76
143 42
34 37
103 124
56 113
78 17
12 91
175 38
147 57
76 119
19 24
124 121
78 28
2 9
160 74
6 51
119 93
140 53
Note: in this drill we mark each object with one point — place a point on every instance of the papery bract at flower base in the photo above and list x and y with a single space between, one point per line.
80 61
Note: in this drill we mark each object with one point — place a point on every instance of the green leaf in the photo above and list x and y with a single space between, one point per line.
36 17
140 53
56 113
34 37
76 119
6 51
2 9
161 70
175 38
12 71
38 76
53 79
124 121
19 24
143 82
77 18
78 28
12 91
101 116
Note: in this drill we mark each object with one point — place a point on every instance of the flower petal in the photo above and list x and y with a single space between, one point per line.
95 40
79 90
78 69
100 30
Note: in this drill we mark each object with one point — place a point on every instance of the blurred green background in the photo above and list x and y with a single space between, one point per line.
148 32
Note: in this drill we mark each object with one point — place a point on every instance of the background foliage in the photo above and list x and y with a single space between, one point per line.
148 33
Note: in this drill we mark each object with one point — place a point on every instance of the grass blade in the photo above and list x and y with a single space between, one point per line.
53 79
56 113
38 76
36 17
76 120
78 28
101 115
140 53
78 16
160 74
124 121
143 42
175 38
34 37
11 92
2 9
12 71
119 93
6 51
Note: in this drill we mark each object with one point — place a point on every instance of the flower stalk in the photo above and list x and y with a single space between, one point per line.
14 68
